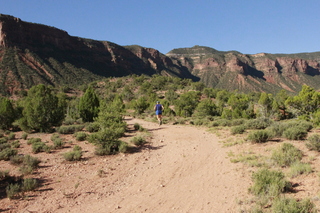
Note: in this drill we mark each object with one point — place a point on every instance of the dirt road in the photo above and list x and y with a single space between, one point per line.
181 169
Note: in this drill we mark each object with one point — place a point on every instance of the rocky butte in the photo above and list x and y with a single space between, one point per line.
34 53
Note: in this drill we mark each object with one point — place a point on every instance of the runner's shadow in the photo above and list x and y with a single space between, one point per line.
144 147
156 129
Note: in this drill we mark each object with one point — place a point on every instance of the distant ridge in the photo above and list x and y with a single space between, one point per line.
35 53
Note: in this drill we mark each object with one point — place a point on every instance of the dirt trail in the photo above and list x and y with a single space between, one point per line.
182 169
186 170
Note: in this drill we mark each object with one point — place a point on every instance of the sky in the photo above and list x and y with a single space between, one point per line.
247 26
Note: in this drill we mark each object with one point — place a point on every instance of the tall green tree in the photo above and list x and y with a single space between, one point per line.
187 103
7 113
42 109
89 105
305 103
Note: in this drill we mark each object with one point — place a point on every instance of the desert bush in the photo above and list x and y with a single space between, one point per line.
6 153
313 142
16 159
123 147
138 140
74 155
137 126
70 129
58 143
238 129
93 127
11 136
4 146
108 148
69 120
295 133
29 164
13 190
40 147
291 205
24 136
269 182
259 123
15 144
29 184
259 136
3 140
80 136
286 155
33 140
298 168
221 122
237 122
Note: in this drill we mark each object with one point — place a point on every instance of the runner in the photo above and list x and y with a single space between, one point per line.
159 108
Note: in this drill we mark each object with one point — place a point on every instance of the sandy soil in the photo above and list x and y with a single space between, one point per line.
181 169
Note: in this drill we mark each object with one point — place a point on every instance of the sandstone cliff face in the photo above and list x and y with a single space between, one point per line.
33 53
259 72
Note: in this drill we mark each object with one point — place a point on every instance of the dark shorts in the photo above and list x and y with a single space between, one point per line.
158 112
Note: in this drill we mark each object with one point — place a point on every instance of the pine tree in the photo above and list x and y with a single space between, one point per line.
89 105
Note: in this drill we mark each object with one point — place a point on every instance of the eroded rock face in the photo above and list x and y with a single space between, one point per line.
33 53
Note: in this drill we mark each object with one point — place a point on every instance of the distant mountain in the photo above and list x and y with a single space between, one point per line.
34 53
259 72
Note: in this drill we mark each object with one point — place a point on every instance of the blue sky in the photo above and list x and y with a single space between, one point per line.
248 26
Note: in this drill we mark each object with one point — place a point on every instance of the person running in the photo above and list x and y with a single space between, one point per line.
158 108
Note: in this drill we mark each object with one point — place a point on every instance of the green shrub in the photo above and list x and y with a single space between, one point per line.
6 153
40 147
286 155
295 133
11 136
138 140
15 144
58 143
3 140
269 182
123 147
16 159
29 164
298 168
291 205
313 142
77 148
69 121
74 155
238 129
221 122
13 191
93 127
24 136
4 146
29 184
33 140
81 136
108 148
259 136
70 129
259 123
136 126
237 122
